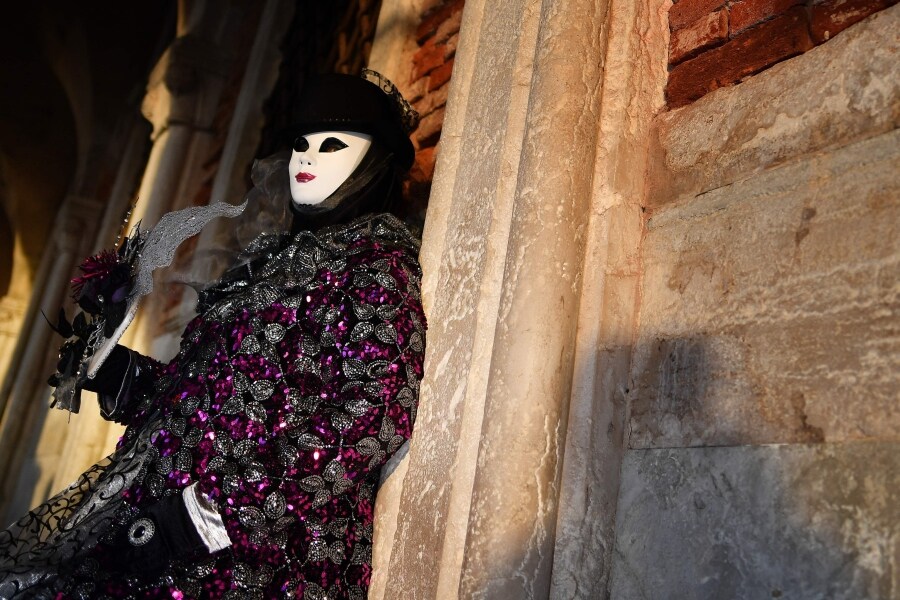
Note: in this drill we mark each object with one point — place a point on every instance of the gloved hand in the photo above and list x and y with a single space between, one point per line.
161 532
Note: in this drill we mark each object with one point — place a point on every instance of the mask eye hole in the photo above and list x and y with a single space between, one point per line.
332 144
301 145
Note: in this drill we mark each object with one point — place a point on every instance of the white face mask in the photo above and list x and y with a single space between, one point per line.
322 161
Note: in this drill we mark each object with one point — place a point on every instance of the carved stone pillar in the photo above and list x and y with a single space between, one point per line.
530 259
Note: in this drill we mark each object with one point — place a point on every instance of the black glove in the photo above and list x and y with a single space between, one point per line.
158 534
115 383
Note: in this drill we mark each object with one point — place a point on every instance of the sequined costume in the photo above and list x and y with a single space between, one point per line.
293 385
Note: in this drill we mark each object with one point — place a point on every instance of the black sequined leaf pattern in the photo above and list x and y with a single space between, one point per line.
320 498
254 473
255 411
386 333
386 281
164 465
310 347
416 343
240 382
377 459
183 461
334 471
368 446
233 405
189 405
387 312
287 455
244 447
406 397
387 429
377 368
341 421
274 506
340 486
215 464
274 332
309 441
338 527
382 264
230 484
313 483
177 425
318 550
363 311
354 368
262 390
249 345
358 407
305 364
395 443
362 280
223 445
336 552
361 331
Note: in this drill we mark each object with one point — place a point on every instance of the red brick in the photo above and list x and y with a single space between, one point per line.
749 53
687 11
746 13
449 27
429 130
423 169
830 17
432 100
427 58
702 34
440 76
435 17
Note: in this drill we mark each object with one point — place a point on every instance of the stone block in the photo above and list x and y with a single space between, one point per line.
837 93
830 17
702 34
769 309
686 12
746 13
748 523
782 37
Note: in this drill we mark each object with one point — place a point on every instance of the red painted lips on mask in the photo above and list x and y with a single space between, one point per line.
302 177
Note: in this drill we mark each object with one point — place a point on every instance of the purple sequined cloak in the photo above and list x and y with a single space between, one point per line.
294 384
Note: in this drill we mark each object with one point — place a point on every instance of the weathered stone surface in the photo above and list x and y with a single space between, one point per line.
836 93
745 523
770 307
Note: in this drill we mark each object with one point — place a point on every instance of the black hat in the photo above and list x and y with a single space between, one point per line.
337 102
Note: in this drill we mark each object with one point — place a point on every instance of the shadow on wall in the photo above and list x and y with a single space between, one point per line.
705 512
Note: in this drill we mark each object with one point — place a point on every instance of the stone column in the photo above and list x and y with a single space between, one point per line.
504 257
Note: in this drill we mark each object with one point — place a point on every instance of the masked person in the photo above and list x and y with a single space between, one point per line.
250 462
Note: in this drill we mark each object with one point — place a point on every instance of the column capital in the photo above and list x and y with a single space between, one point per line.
183 86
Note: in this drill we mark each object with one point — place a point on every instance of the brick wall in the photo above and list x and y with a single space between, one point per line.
717 43
432 66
